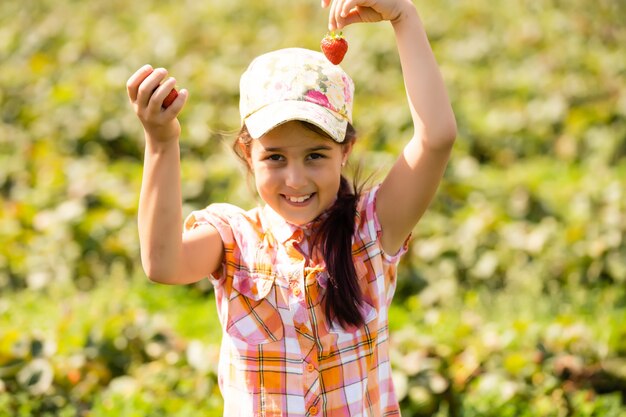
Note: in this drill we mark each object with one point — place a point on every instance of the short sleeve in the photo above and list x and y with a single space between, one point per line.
220 216
369 227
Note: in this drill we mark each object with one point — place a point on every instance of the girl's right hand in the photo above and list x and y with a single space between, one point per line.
147 88
346 12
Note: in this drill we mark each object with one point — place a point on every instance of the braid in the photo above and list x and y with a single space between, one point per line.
343 294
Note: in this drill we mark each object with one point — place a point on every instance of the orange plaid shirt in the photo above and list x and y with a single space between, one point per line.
280 356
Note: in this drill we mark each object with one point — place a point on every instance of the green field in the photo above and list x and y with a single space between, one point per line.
511 301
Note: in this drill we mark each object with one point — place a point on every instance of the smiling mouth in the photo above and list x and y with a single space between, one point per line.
300 199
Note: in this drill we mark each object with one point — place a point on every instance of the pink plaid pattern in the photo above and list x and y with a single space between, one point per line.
280 356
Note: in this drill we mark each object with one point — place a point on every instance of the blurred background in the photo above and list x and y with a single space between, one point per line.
512 299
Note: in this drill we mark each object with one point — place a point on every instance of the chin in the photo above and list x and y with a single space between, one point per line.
299 221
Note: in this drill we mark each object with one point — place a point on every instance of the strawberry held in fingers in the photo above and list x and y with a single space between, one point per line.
170 98
334 47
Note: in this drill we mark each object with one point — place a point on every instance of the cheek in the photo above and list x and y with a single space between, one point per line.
331 179
262 178
335 170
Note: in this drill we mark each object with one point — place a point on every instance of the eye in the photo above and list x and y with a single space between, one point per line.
316 155
274 157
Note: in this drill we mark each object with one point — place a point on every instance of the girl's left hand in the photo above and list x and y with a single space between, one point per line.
346 12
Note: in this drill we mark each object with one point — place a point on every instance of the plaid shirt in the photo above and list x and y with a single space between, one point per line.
280 356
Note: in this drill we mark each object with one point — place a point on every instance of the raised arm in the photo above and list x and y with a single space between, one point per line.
412 182
167 256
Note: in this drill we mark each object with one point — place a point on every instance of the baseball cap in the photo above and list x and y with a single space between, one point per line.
295 84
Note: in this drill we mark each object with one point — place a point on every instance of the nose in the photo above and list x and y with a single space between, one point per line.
295 176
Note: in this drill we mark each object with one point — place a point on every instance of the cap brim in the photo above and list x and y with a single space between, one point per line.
275 114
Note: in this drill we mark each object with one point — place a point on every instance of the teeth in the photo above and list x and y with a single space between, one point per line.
298 199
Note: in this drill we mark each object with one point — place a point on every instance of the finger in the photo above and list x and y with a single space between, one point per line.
340 20
133 82
149 85
356 11
178 104
348 14
325 3
352 17
156 100
332 15
347 7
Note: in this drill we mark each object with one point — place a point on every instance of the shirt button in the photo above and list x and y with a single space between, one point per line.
313 410
296 292
310 367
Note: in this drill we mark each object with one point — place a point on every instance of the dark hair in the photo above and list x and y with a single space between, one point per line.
334 235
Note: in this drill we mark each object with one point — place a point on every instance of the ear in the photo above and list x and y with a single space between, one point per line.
245 151
346 150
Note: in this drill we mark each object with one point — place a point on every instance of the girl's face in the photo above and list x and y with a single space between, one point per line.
297 171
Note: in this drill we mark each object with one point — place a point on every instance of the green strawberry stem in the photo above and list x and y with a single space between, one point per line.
334 35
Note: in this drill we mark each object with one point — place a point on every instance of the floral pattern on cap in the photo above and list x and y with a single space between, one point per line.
274 81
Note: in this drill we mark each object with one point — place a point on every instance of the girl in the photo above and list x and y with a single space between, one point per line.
303 284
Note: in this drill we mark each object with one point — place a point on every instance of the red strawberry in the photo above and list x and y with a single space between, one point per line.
334 47
170 98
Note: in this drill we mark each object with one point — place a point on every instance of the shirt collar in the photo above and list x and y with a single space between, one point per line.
284 231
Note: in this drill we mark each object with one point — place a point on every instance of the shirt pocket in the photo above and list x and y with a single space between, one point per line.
252 314
356 342
369 315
